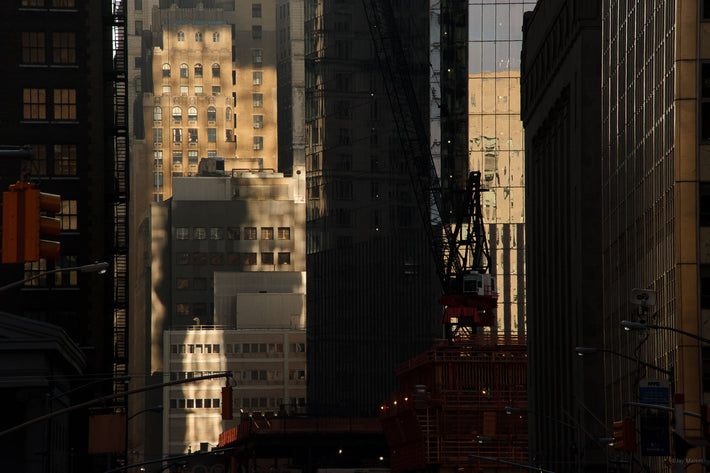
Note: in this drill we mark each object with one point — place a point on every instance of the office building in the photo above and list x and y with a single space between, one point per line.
228 289
561 109
654 177
373 294
63 94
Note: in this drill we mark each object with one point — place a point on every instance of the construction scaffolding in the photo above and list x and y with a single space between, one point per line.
460 400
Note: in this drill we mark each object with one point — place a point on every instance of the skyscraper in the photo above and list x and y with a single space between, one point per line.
63 94
371 286
561 109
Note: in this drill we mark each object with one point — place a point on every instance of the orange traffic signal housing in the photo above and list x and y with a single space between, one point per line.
24 225
625 434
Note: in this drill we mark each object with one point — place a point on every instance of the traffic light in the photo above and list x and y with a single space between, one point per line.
23 224
625 434
227 403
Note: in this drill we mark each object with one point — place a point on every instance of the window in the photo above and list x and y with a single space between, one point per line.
217 258
181 36
198 90
35 268
284 258
211 114
215 70
157 114
216 233
233 233
232 258
192 113
258 100
199 233
228 135
284 233
39 160
166 90
216 90
212 135
192 156
138 27
249 258
267 258
258 143
258 121
157 136
212 153
158 158
64 47
65 104
256 57
184 90
177 113
255 31
158 179
215 37
182 258
198 70
198 37
66 278
267 233
182 233
256 10
68 216
257 77
192 135
166 70
34 103
177 156
250 233
228 115
33 48
177 135
182 309
65 160
183 70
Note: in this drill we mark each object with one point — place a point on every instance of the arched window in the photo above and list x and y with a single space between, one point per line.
181 35
228 114
215 70
198 70
211 114
177 113
157 114
192 113
198 36
166 70
183 70
215 37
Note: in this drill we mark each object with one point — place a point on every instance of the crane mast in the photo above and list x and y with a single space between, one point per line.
456 235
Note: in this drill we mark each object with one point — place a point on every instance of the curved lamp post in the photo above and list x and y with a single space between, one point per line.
629 326
581 351
100 268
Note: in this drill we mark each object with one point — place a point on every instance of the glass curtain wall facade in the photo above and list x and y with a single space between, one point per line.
496 144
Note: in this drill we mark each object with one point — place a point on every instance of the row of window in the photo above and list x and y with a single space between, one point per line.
195 348
231 233
185 70
248 259
59 104
60 45
229 136
192 114
246 376
194 403
57 279
185 90
57 160
246 402
175 375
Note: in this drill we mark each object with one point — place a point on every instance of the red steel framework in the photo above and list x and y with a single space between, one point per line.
453 405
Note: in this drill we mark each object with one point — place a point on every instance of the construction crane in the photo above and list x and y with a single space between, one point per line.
457 239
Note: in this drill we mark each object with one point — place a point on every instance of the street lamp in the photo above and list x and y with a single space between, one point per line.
630 325
581 351
100 268
157 409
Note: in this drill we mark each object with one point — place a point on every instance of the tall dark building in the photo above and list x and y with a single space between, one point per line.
561 80
63 94
372 292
